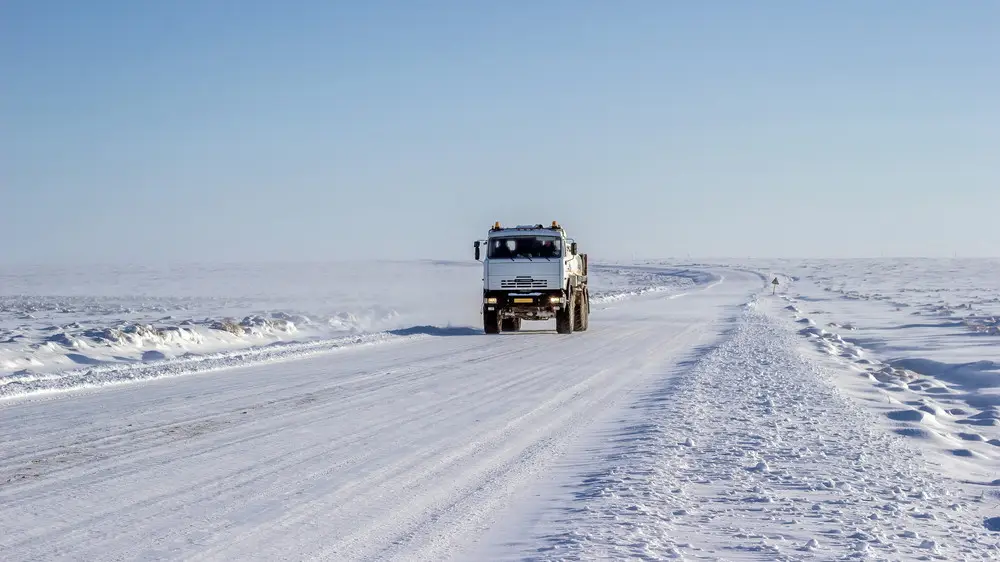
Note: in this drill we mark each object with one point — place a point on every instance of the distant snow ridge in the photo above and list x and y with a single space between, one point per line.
958 293
28 307
615 283
32 347
752 453
104 374
83 342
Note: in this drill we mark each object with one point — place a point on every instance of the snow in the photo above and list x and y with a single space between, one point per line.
786 466
357 412
912 333
65 329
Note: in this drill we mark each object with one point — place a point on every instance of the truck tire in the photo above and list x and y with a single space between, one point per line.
579 313
584 311
565 319
511 325
491 322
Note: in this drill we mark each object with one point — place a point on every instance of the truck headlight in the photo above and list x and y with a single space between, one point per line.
491 300
555 300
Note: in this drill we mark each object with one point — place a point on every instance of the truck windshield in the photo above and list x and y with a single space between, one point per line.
525 247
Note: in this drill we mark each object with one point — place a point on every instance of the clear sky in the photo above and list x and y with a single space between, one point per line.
244 130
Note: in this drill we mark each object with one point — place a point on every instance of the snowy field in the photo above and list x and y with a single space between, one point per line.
356 412
924 335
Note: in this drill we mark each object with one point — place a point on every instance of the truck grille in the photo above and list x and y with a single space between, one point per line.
523 283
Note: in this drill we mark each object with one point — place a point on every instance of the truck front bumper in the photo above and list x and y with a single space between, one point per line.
540 304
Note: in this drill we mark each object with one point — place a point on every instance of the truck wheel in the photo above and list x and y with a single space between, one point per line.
565 319
584 312
491 322
579 313
511 325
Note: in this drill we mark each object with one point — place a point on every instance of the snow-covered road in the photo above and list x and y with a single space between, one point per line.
407 449
678 425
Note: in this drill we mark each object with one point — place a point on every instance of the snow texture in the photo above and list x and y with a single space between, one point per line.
751 452
403 451
357 412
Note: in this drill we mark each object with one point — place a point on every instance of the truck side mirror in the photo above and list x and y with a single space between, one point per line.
477 249
572 248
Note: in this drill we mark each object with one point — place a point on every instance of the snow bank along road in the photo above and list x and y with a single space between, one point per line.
683 425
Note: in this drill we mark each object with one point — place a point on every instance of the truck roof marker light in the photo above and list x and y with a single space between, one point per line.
496 225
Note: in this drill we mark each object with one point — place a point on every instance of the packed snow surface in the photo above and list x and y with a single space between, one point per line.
357 412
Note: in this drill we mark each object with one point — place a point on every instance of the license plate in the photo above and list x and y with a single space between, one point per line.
523 301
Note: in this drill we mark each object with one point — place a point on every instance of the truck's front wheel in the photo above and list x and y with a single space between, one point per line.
491 322
565 318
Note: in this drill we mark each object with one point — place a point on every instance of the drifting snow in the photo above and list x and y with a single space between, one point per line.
63 342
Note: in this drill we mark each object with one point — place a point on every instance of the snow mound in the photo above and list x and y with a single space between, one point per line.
155 365
55 348
975 375
909 416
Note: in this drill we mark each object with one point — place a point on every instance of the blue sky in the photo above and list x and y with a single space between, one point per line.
224 130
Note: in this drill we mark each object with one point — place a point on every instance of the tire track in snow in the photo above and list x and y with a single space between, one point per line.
490 457
145 437
410 460
125 460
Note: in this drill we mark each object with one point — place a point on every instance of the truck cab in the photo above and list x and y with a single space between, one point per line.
532 272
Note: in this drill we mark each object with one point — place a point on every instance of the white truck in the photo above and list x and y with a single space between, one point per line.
533 272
